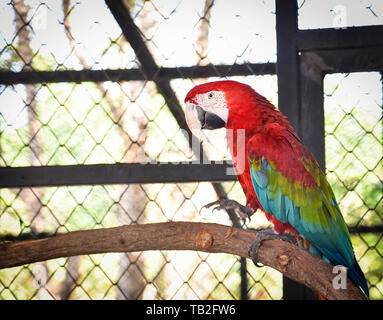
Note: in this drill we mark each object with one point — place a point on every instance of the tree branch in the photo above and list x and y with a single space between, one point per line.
294 262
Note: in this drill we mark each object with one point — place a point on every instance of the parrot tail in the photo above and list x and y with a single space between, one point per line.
354 272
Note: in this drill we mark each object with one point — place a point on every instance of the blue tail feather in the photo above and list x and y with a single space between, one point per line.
354 272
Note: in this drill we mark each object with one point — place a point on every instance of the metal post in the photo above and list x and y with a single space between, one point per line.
289 98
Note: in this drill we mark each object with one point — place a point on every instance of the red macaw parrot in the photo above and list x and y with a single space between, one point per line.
280 176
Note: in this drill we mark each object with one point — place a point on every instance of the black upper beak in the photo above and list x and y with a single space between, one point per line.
209 120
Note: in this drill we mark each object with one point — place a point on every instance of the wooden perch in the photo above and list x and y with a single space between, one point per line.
292 261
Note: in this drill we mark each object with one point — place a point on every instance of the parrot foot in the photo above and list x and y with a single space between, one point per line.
267 234
244 212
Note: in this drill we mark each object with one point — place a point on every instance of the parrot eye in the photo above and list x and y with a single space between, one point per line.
210 95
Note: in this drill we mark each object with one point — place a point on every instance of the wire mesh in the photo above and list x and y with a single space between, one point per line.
335 14
113 122
354 163
129 121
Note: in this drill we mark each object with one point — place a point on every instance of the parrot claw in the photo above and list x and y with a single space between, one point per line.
244 212
267 234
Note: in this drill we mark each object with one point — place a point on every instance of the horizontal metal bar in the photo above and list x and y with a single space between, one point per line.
323 62
351 60
246 69
330 38
366 229
33 77
122 173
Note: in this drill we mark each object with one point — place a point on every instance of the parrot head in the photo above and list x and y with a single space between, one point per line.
220 104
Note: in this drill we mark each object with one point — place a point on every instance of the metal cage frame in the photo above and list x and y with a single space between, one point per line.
304 57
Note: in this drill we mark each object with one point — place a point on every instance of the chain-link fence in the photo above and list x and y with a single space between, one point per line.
111 122
354 163
108 121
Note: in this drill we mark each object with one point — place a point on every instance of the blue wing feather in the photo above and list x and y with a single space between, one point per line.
330 243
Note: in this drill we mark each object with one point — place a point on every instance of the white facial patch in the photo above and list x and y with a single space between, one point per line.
212 101
215 102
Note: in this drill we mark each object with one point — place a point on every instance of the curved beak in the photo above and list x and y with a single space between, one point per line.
209 120
197 118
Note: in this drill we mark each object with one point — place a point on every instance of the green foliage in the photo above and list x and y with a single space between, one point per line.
354 139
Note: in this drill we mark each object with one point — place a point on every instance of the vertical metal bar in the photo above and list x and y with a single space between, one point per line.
288 72
287 61
312 109
243 273
293 290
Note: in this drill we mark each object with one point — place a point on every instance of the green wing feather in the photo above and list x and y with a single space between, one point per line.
280 183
